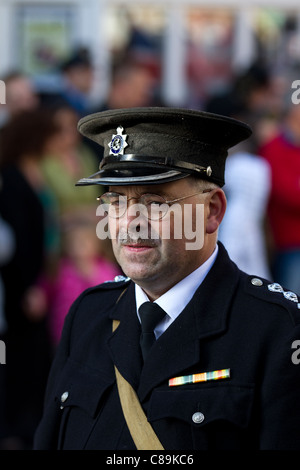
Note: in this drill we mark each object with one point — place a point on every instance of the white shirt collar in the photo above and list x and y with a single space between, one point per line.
175 299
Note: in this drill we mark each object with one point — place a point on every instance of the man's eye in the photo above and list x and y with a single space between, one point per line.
115 202
154 203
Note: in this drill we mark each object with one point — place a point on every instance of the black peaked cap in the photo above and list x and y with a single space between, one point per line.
157 145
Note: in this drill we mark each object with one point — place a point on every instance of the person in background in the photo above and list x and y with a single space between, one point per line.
7 245
66 156
133 85
282 152
244 229
78 75
26 204
249 93
83 263
20 96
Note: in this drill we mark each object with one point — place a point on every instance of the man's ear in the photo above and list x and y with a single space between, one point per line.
216 206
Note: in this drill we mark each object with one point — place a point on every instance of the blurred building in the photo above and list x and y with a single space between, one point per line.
195 46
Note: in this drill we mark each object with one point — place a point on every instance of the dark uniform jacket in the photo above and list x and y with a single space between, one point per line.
233 321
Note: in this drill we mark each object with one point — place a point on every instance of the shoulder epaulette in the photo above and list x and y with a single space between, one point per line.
117 282
275 293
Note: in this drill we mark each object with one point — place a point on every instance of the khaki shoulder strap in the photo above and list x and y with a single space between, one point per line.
140 429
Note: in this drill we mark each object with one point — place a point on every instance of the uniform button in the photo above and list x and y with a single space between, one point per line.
255 281
198 417
64 397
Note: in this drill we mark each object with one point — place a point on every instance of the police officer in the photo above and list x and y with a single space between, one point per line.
202 354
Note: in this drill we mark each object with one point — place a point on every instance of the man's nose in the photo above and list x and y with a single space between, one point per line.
136 211
136 220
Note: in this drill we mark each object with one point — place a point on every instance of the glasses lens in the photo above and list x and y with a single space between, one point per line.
114 204
152 206
156 206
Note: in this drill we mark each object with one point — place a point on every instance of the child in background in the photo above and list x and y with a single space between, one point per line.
82 265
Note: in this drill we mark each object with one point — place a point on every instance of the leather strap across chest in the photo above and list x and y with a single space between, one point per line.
139 427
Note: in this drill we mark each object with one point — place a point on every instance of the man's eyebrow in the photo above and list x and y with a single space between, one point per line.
158 191
141 193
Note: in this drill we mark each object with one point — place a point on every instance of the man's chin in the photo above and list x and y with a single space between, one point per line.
142 274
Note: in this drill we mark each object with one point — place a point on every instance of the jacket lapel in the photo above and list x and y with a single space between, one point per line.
206 315
175 350
124 344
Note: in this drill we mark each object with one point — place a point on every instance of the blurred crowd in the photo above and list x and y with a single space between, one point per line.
49 251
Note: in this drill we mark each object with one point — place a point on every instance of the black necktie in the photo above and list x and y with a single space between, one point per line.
150 314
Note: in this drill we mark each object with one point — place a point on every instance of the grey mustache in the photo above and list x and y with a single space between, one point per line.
127 239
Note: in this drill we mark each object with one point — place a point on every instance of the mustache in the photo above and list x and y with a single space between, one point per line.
125 238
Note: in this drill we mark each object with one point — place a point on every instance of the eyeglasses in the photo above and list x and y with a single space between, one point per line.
153 206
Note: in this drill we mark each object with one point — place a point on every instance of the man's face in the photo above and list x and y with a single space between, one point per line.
156 254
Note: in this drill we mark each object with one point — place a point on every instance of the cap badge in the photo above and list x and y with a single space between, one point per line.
118 142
